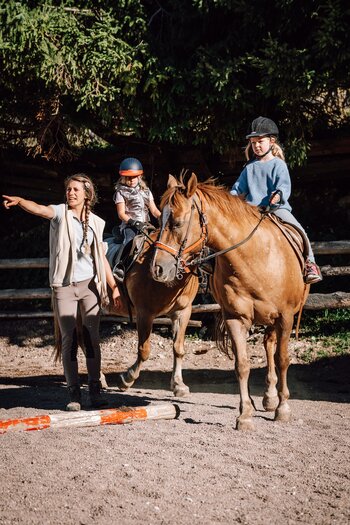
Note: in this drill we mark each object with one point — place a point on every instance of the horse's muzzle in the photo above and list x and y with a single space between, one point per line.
164 274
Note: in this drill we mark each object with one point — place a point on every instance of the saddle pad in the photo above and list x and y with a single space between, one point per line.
294 236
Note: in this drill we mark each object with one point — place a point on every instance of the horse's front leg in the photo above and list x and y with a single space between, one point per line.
284 328
144 328
180 321
238 332
270 399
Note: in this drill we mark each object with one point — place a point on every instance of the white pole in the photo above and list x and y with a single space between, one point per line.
112 416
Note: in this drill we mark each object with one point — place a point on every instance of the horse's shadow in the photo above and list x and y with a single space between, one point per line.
324 380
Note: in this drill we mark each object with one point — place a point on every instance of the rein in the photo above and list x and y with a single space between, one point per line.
200 260
183 266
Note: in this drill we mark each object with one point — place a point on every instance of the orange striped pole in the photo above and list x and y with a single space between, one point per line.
112 416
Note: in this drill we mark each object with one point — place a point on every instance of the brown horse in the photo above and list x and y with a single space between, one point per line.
260 282
151 299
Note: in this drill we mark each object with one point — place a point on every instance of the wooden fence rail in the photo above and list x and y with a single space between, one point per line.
316 301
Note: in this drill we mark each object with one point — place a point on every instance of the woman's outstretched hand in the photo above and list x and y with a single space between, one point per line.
46 212
10 201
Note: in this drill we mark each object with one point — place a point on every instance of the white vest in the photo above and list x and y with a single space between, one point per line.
63 253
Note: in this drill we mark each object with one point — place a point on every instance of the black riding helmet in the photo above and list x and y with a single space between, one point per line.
130 167
261 127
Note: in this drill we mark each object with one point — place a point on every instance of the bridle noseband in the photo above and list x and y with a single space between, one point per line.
182 265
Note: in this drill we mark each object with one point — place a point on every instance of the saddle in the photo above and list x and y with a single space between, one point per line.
124 254
295 237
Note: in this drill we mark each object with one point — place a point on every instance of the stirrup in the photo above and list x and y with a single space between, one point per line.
119 272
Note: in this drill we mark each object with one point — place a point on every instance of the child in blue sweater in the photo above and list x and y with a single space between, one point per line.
265 179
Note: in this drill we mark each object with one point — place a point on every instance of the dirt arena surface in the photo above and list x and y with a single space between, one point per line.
196 469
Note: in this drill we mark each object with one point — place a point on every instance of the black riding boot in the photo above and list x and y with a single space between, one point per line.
74 398
97 400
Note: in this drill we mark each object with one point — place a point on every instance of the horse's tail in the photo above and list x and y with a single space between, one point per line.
223 341
303 301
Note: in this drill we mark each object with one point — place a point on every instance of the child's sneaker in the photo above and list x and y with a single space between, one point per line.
312 272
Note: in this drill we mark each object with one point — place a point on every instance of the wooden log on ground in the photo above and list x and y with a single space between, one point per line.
320 248
314 301
321 301
158 321
205 308
335 271
108 318
10 264
25 293
331 247
93 418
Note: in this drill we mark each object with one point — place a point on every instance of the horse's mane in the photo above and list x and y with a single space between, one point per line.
217 195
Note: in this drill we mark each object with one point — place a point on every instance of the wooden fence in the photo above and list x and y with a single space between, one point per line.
316 301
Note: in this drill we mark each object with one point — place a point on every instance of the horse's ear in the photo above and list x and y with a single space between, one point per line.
172 182
191 186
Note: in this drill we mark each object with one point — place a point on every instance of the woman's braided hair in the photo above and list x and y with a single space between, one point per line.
90 201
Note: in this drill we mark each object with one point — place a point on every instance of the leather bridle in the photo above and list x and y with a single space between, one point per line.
181 255
184 265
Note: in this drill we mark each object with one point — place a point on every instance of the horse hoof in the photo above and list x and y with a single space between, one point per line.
270 403
283 415
122 384
245 424
181 391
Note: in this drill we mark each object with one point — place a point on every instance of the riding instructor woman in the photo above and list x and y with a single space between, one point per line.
78 275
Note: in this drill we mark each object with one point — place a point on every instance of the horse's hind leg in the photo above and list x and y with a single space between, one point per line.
180 321
270 400
144 329
284 329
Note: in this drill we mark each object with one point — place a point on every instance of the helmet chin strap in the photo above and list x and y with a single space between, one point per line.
264 154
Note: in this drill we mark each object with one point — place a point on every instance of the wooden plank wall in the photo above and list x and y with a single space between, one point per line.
321 189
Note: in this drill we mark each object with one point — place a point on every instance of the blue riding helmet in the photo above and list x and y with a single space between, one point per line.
130 167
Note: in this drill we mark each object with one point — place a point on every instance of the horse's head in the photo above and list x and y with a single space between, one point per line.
183 229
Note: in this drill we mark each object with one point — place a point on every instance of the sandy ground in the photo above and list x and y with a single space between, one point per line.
196 469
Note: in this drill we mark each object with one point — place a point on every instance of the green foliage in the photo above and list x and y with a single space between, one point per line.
189 73
328 333
329 322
